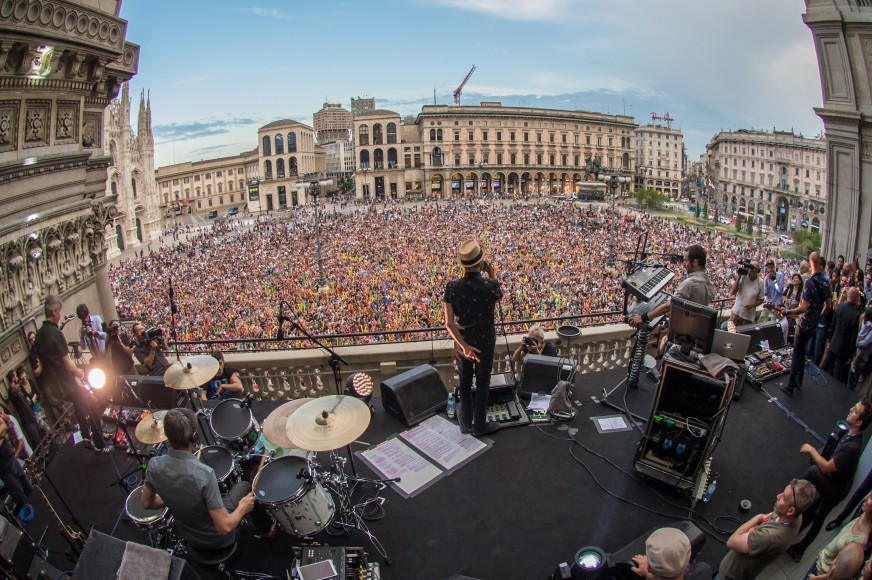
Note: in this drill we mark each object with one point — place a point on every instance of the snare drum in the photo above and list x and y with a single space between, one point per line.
301 506
235 425
146 519
222 463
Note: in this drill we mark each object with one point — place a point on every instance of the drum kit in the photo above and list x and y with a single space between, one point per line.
303 497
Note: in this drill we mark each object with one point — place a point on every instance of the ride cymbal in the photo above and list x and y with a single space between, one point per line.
275 426
328 423
150 429
191 372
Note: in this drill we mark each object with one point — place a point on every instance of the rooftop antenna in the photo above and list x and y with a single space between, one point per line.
434 94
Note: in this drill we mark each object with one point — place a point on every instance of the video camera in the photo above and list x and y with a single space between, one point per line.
744 266
154 334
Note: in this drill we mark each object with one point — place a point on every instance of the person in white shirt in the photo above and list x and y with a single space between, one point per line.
749 290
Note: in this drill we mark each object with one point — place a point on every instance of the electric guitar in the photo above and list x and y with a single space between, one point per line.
75 539
779 311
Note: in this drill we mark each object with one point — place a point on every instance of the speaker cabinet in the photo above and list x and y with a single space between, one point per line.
770 332
542 373
151 390
414 395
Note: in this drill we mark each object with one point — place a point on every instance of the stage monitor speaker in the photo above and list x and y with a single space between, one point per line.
414 395
151 390
542 373
771 331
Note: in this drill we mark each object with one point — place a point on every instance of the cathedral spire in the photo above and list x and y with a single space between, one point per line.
141 120
148 114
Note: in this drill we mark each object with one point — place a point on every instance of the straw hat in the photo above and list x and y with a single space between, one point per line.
470 254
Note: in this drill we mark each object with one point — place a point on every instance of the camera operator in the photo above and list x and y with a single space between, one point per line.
149 349
119 349
773 292
749 291
534 342
91 333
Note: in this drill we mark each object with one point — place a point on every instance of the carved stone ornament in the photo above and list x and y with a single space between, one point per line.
867 151
67 121
92 131
8 125
35 123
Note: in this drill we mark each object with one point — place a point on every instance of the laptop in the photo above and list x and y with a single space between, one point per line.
731 345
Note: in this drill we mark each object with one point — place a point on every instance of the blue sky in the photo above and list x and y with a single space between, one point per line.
219 69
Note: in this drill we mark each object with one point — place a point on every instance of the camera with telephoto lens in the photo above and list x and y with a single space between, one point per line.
153 334
530 341
744 266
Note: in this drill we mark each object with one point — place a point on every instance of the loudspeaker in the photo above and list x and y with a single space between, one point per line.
414 395
542 373
149 388
769 331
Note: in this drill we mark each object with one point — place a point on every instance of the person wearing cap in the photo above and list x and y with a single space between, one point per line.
760 540
667 555
468 306
773 292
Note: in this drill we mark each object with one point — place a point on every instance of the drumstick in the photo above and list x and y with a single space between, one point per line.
257 475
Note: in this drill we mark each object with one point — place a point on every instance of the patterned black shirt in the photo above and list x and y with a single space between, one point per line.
473 299
817 292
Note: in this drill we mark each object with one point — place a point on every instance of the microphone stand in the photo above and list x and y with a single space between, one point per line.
334 362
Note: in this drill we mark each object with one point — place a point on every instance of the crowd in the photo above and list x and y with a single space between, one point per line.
387 267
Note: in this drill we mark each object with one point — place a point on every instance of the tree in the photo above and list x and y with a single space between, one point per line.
717 213
344 184
750 229
739 222
806 242
705 209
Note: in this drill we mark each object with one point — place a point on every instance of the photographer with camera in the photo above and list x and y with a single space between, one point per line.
91 334
749 290
773 292
149 348
119 349
534 342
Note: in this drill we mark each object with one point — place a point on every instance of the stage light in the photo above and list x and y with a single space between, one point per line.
590 562
359 386
97 378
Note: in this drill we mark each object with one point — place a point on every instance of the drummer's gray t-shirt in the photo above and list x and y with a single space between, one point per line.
189 489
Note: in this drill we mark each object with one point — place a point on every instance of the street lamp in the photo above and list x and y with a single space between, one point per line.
613 180
365 168
313 186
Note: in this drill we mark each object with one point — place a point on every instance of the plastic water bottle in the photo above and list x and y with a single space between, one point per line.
450 406
710 490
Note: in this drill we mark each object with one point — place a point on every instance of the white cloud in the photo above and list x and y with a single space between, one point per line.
512 9
268 12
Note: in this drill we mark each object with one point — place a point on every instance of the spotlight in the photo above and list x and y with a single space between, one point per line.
97 378
589 563
359 386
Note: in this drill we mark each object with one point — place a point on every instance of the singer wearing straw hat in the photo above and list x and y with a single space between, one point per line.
469 305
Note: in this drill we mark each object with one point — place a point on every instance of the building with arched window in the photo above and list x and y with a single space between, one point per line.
131 176
778 178
286 153
488 149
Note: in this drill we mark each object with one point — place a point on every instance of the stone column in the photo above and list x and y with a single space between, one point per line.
104 292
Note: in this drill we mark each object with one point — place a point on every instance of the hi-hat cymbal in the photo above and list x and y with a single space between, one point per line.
328 423
191 372
150 429
275 426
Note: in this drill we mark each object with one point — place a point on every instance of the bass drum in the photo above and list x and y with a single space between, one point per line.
301 506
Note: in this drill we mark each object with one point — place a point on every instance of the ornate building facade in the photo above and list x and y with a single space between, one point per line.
449 151
842 34
131 178
61 64
777 177
659 159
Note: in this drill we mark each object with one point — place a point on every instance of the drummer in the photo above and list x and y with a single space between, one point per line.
189 488
226 384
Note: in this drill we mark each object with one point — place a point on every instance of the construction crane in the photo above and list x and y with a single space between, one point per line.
459 89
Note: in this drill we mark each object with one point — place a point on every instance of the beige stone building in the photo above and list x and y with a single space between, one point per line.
64 62
449 151
659 159
332 123
201 186
778 177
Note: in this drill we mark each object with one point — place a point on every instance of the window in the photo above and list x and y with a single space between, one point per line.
499 135
208 176
267 148
526 136
472 159
457 135
457 158
280 146
576 160
611 141
512 158
511 135
221 188
292 142
485 158
499 158
587 139
196 178
563 159
538 137
377 136
175 181
267 174
469 135
187 180
432 134
280 170
526 159
484 133
551 137
363 134
576 139
364 159
563 137
392 133
538 159
599 141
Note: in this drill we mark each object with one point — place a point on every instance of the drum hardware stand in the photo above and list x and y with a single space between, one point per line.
203 415
350 516
141 459
334 362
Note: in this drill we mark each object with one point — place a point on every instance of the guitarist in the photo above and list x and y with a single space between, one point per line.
816 300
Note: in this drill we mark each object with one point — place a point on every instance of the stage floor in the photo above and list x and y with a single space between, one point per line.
527 503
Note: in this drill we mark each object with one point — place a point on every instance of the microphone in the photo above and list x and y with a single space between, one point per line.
280 333
676 258
246 403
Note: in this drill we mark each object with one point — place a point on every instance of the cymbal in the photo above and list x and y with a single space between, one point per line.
275 425
191 372
328 423
150 430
